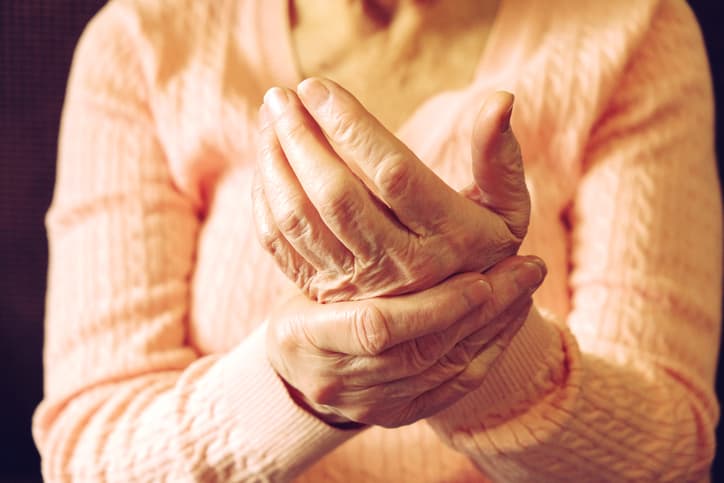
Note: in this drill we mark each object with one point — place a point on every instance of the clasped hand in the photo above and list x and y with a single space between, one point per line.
390 361
354 218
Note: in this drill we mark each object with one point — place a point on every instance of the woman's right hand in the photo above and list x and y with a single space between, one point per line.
349 212
391 361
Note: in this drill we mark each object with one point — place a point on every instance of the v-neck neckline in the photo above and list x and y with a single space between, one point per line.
278 46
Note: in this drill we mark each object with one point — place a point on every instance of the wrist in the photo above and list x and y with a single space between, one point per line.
325 415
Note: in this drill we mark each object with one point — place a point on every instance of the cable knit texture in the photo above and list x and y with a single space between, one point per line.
155 361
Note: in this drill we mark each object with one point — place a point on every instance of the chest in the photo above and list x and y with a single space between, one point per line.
392 78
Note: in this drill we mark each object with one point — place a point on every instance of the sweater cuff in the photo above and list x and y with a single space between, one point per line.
532 366
265 420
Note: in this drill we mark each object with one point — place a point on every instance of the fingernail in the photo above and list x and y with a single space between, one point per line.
276 100
313 92
264 119
505 119
530 273
478 292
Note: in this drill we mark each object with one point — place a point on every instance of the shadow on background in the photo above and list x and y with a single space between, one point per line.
37 38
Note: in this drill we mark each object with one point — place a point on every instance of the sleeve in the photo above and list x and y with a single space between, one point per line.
623 389
126 398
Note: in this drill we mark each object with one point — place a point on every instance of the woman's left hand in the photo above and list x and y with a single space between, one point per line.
349 212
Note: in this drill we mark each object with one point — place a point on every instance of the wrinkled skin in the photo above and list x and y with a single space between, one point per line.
349 212
391 361
396 321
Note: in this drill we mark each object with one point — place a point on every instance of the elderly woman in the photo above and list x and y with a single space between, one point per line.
408 345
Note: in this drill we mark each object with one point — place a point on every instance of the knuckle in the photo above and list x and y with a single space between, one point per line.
340 203
348 131
323 392
470 380
455 361
372 329
465 384
394 175
295 129
294 224
425 351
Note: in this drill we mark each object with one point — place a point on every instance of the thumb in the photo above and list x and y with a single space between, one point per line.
497 165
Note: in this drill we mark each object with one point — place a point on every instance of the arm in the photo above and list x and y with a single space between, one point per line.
126 399
625 391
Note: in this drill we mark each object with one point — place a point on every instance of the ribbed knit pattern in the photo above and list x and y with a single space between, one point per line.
155 355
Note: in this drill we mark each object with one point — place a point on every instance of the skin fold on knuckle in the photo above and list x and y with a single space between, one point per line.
347 131
295 129
458 358
424 351
293 222
472 377
372 328
448 367
341 202
394 176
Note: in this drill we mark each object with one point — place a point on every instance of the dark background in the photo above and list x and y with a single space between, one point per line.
37 38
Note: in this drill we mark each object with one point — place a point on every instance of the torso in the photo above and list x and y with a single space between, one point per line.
429 103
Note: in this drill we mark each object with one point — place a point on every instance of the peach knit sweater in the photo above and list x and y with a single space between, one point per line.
155 357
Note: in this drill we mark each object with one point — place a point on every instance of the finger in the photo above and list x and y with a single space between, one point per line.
511 284
479 341
341 199
292 264
370 327
498 166
455 363
514 277
443 395
419 198
292 211
426 394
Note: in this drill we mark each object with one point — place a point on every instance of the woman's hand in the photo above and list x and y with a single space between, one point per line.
393 360
349 212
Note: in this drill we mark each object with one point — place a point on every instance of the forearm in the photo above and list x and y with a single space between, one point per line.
557 414
223 418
